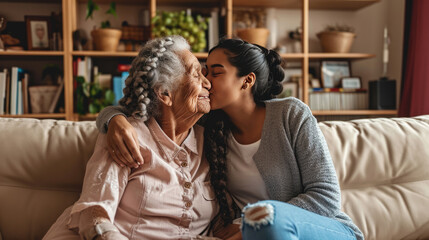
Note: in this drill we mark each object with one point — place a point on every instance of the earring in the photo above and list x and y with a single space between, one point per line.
244 86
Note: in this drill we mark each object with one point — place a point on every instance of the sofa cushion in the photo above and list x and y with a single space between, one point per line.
42 165
383 170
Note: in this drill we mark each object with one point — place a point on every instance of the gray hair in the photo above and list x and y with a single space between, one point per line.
158 67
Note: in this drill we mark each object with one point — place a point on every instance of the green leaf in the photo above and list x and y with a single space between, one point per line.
80 79
86 88
90 8
112 9
109 96
79 105
105 24
93 108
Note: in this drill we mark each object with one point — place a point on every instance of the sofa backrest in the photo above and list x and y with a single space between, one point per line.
383 169
382 166
42 165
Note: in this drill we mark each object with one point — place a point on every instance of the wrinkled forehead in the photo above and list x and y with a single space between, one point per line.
190 62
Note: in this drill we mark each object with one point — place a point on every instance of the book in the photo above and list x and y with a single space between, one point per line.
7 103
19 109
2 92
118 86
16 71
84 68
124 67
213 29
117 89
25 93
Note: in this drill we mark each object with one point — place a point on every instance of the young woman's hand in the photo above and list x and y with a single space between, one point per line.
123 143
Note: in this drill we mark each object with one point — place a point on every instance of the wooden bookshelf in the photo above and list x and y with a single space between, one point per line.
37 115
70 14
104 54
31 53
340 55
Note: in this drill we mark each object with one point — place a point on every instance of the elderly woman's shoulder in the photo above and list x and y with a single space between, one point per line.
138 124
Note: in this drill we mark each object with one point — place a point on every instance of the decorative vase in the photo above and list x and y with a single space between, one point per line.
254 35
41 98
106 39
336 42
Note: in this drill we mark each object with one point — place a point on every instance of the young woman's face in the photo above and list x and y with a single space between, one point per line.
226 85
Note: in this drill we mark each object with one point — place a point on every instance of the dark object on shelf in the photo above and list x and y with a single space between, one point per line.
382 94
80 40
14 31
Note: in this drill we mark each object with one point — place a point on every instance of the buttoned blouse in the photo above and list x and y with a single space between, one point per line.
168 197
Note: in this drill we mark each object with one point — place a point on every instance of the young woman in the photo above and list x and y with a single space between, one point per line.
268 153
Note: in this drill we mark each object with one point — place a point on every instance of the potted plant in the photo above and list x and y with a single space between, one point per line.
250 25
105 38
337 38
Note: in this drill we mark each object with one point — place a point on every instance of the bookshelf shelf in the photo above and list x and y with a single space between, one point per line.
36 115
104 54
314 4
292 55
201 55
31 53
355 112
86 117
340 55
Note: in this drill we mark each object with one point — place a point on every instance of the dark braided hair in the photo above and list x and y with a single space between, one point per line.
247 58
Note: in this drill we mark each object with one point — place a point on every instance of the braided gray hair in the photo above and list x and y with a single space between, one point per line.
157 67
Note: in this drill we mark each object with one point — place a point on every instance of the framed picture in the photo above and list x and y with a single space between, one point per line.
290 89
331 72
351 82
38 32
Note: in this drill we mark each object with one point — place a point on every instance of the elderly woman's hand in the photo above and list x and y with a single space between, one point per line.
123 143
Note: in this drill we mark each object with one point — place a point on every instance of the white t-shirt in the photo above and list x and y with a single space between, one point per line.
244 180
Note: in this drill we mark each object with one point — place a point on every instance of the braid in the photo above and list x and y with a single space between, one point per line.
215 147
138 90
276 73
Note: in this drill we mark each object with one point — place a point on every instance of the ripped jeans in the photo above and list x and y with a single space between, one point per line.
276 220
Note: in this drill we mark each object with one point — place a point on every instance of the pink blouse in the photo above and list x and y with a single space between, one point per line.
168 197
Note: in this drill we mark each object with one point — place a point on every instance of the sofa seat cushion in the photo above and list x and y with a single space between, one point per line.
383 170
42 165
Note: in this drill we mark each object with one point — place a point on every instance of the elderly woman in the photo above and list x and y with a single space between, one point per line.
169 196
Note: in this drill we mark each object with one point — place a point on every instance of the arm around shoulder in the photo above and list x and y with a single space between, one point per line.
107 114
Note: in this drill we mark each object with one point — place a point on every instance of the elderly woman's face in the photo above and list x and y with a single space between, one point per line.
192 94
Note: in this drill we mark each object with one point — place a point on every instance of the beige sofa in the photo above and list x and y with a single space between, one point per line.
382 166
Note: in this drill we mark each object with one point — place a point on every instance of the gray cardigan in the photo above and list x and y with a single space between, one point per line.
293 159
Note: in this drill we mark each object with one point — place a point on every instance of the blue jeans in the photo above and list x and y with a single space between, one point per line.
278 220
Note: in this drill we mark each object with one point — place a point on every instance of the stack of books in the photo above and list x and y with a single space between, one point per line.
338 99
